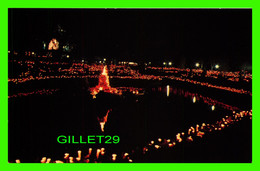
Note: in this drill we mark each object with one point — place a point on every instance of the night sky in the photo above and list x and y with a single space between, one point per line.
134 34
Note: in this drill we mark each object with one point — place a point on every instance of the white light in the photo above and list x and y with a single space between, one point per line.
194 99
68 56
105 59
170 63
217 66
212 107
168 90
164 63
197 64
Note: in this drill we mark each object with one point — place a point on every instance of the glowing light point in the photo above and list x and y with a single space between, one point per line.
194 99
43 160
168 90
114 157
53 45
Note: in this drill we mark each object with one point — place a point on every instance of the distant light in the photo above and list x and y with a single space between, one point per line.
105 59
194 99
164 63
212 107
132 63
32 53
100 62
197 64
68 56
8 51
170 63
217 66
150 63
53 45
82 60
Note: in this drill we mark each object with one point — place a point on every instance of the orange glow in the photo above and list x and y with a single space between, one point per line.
98 152
190 138
66 155
79 156
103 120
156 146
48 160
58 161
103 84
89 150
170 145
200 134
53 45
43 160
114 157
71 160
178 137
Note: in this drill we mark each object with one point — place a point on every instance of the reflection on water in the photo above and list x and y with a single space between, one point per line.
168 90
194 99
195 96
137 118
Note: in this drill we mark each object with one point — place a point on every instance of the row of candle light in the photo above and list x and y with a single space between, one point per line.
246 76
148 77
39 92
198 131
78 70
189 136
123 69
97 156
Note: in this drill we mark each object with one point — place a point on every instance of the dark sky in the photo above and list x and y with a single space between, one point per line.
152 34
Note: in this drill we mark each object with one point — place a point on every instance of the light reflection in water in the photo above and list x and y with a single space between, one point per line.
168 90
194 99
212 107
